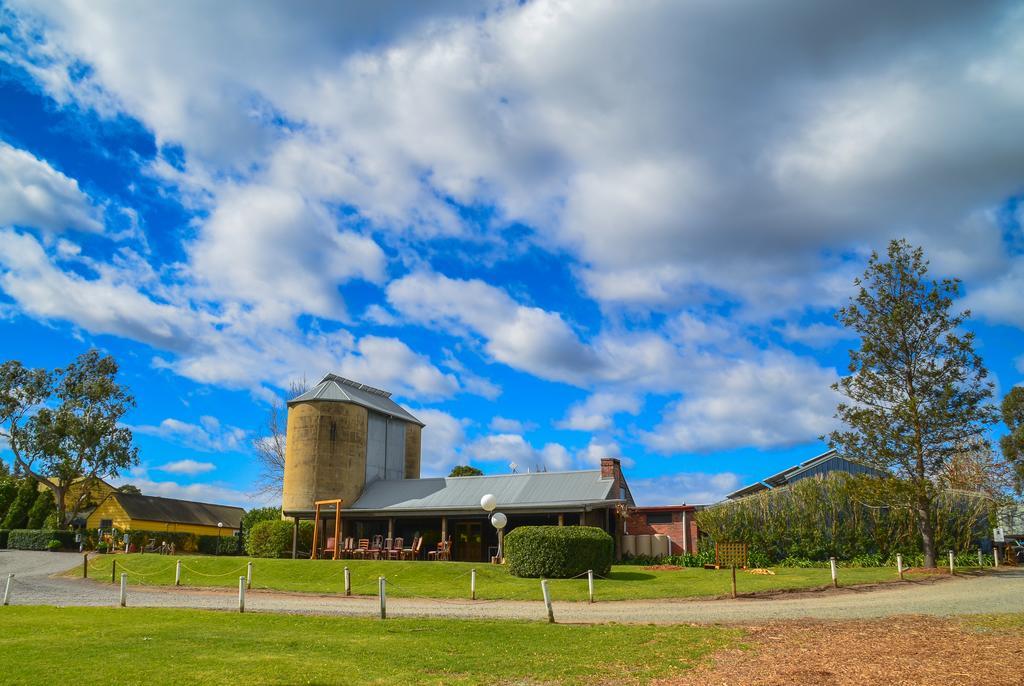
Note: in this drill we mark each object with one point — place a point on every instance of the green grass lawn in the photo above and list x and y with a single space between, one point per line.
82 646
451 579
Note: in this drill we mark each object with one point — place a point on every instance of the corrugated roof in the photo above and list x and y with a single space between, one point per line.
339 389
157 509
787 476
513 491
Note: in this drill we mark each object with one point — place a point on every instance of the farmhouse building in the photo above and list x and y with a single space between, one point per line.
130 512
351 442
819 465
676 522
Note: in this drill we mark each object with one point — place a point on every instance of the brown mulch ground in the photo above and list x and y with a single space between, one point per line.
903 651
664 568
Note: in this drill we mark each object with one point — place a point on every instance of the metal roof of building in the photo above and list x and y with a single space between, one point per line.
156 509
513 491
791 474
339 389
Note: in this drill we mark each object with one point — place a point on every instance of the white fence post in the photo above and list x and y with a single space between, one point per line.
981 560
899 565
835 576
472 584
124 589
248 575
7 589
995 556
951 558
383 598
242 582
590 584
177 573
547 600
348 582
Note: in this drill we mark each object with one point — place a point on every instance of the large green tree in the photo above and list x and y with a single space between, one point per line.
79 434
917 393
1012 444
465 470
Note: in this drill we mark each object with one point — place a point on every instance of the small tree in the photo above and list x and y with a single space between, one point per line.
917 390
130 489
83 437
465 470
269 445
17 513
1012 444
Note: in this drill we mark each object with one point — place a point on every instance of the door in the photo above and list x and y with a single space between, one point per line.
468 542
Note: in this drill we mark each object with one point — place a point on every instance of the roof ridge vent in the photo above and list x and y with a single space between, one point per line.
355 384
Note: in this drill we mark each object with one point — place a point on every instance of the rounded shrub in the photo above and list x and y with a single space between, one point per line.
53 545
274 538
558 552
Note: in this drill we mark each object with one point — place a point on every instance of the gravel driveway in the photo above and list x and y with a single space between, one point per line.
997 592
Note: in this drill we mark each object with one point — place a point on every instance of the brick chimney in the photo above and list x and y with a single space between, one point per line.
611 468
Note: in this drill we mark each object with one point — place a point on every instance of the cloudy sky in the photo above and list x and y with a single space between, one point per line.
555 230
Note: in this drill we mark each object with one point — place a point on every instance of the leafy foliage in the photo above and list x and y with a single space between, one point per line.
39 539
41 509
4 533
220 545
558 552
1012 444
465 470
845 516
917 392
256 515
53 545
274 538
17 513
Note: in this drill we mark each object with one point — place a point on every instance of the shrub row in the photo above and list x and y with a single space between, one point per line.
558 552
38 539
273 538
183 542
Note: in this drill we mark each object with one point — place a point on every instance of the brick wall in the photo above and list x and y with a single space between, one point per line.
637 524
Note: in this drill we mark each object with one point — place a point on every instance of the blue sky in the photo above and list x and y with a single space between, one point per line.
555 230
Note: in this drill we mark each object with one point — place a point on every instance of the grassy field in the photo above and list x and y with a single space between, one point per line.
451 579
142 646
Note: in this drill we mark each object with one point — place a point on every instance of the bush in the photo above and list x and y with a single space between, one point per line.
229 545
102 548
53 545
38 539
274 538
42 508
3 538
558 552
259 514
17 513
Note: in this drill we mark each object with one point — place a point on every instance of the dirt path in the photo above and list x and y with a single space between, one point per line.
907 651
1002 592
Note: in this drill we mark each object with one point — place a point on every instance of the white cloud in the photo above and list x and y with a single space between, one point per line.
511 426
198 492
598 449
507 449
779 400
207 436
187 467
32 193
443 439
598 411
693 488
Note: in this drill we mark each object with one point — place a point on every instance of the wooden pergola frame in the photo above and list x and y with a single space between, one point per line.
316 526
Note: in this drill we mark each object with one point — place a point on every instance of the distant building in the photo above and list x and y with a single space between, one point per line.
352 442
129 512
820 465
81 497
675 521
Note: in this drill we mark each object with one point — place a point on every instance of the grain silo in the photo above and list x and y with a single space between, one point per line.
343 435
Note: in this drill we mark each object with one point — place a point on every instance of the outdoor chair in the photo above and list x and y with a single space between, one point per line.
446 551
347 548
413 553
395 551
363 550
375 547
330 547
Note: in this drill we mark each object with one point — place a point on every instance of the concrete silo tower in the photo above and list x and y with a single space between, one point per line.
341 436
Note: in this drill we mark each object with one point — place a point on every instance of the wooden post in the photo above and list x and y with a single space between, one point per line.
295 538
734 581
177 573
316 532
472 584
337 529
995 556
383 598
391 528
241 593
899 565
547 600
590 584
124 589
444 528
113 571
835 577
561 519
348 582
951 559
7 589
981 559
248 575
85 565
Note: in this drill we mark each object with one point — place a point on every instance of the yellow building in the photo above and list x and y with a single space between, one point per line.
129 512
94 490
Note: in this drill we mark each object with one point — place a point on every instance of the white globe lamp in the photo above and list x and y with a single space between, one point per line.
489 502
499 520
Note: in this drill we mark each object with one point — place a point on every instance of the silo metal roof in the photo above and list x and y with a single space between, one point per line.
339 389
513 491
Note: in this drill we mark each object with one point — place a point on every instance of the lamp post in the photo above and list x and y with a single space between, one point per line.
488 503
499 520
220 527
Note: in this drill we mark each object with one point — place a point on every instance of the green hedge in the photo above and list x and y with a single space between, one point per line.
36 539
558 552
274 538
3 538
229 545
